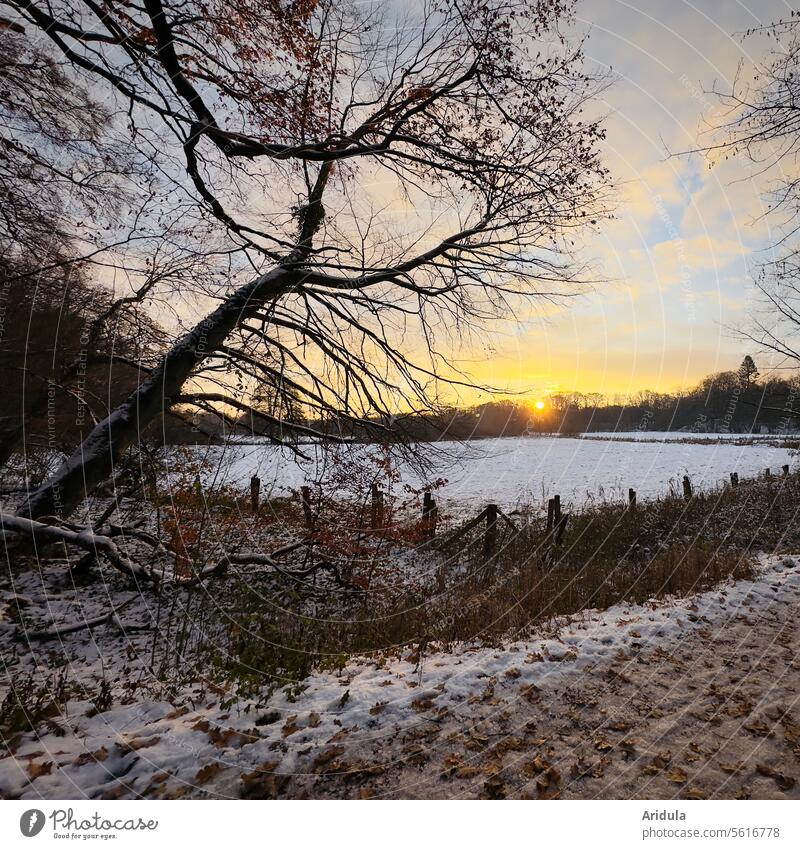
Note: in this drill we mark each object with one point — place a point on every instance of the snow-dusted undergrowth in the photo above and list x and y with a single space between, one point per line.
198 742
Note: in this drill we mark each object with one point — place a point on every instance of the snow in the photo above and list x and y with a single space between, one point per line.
202 747
514 472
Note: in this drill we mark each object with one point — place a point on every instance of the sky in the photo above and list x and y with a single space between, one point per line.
687 238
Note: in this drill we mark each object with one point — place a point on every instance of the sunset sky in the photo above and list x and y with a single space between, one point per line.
687 237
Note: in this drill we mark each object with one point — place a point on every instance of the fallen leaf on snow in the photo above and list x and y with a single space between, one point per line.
206 773
35 770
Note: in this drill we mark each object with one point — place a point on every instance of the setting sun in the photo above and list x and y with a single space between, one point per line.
539 405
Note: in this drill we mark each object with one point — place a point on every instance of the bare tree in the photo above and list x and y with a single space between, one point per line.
760 122
377 179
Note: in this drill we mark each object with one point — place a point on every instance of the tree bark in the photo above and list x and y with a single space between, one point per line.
94 459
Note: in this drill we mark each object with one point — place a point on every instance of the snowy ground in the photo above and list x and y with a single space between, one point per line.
693 698
514 472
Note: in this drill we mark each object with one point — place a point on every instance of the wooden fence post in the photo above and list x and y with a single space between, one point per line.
305 498
734 478
255 492
490 537
561 527
557 506
631 499
768 473
376 515
687 487
786 470
551 511
430 515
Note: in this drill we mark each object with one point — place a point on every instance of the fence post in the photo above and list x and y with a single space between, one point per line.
561 527
551 510
490 537
631 499
687 487
768 473
786 470
734 478
376 515
430 514
557 506
305 498
255 492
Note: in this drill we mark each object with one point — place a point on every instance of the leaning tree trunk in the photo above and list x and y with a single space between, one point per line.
94 459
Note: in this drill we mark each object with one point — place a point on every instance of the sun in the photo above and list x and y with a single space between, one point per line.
539 405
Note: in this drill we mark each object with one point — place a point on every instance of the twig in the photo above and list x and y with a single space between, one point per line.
59 631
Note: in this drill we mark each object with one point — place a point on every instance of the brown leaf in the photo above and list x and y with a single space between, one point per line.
784 782
467 772
535 767
141 743
207 772
509 744
602 745
694 793
290 726
263 783
476 742
222 737
495 787
91 757
678 775
451 764
548 785
422 704
326 758
177 713
658 763
758 727
35 770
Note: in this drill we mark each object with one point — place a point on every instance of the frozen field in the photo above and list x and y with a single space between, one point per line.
520 471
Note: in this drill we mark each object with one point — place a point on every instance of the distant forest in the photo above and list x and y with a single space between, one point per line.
737 401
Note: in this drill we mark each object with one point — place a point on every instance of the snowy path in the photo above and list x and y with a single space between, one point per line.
697 698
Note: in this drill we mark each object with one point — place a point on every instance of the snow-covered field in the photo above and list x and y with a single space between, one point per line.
525 471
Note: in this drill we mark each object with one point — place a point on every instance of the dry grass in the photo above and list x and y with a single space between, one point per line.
608 554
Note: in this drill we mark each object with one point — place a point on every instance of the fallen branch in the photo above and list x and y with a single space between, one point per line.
245 558
98 544
60 631
103 545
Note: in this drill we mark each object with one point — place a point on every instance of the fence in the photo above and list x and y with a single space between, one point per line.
491 515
